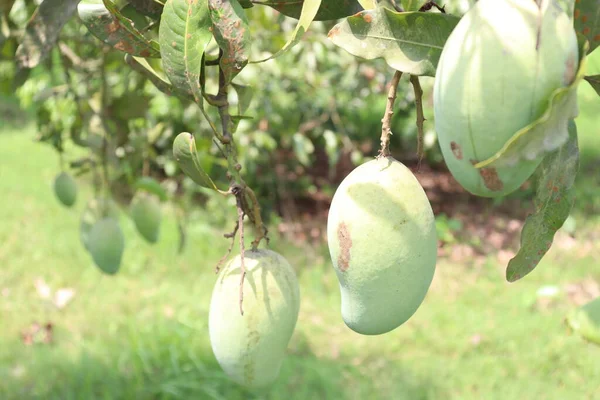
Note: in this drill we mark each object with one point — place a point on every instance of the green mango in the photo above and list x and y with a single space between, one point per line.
146 215
65 189
586 321
250 348
96 209
106 244
383 245
495 76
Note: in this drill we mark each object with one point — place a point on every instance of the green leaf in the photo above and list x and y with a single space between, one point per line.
553 201
151 185
184 151
244 95
142 66
42 30
307 16
183 35
550 130
150 8
232 33
586 321
594 80
105 21
410 42
412 5
587 21
329 10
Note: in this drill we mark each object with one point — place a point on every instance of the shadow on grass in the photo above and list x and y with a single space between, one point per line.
174 361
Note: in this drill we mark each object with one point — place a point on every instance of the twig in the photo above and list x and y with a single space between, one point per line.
230 235
238 192
386 121
420 117
430 4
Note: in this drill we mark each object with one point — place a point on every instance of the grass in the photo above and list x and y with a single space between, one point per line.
143 333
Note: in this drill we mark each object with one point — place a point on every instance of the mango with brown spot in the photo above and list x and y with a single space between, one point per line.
250 348
383 245
495 76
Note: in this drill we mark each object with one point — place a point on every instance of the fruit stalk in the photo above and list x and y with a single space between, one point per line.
386 121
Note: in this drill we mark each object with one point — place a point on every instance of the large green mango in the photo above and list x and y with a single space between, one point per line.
383 245
250 348
495 76
65 189
146 215
106 244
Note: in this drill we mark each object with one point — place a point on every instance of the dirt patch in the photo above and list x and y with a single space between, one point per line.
490 177
456 150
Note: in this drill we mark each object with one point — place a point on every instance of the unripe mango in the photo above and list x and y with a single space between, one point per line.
383 245
65 189
495 76
146 215
106 245
251 347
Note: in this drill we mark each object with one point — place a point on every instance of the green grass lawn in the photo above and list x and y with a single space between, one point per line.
142 334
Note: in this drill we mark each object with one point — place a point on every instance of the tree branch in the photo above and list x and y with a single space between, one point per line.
386 121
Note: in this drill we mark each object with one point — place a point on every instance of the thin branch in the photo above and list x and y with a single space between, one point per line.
238 192
231 235
386 121
420 118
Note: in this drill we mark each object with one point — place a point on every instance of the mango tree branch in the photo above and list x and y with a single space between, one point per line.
420 117
386 121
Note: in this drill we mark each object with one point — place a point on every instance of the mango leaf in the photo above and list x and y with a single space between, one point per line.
42 30
329 10
594 80
232 33
586 18
307 16
412 5
149 8
104 20
246 3
151 185
183 35
550 130
244 95
142 66
586 321
186 155
410 42
553 201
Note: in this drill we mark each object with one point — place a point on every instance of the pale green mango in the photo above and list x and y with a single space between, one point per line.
495 75
106 244
96 209
147 215
586 321
251 348
383 245
65 189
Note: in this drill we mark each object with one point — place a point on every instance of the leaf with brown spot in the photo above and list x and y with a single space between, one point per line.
42 30
183 35
328 10
553 201
410 42
587 21
232 33
104 20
